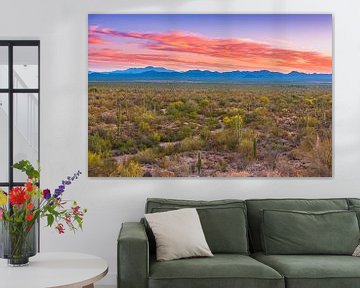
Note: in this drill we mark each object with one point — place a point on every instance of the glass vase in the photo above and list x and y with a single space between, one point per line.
18 242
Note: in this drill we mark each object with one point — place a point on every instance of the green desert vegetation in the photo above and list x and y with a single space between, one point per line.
177 129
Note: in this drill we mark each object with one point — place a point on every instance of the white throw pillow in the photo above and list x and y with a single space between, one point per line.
178 234
357 251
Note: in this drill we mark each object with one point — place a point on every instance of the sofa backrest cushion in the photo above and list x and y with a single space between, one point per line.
354 205
223 221
353 201
255 206
300 233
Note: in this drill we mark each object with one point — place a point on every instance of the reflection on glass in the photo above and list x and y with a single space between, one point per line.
4 137
4 67
26 130
26 74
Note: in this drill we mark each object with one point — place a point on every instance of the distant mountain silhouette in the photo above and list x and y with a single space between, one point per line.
142 70
160 74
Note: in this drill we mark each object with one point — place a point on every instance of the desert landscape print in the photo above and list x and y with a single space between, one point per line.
236 95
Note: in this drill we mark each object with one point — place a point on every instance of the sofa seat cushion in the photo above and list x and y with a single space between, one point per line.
314 271
222 270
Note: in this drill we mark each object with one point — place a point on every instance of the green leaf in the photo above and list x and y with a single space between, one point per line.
26 167
50 219
53 211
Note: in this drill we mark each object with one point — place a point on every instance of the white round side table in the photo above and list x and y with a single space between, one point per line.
50 270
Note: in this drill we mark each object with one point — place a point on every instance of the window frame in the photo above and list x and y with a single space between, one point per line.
10 91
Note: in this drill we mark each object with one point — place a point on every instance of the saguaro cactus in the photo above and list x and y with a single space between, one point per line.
118 116
254 147
199 164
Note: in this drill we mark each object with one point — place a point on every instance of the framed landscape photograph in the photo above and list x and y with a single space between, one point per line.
210 95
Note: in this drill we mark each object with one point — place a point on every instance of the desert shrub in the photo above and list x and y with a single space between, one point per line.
233 121
155 137
147 156
124 145
261 115
264 100
180 109
317 152
204 102
184 133
140 116
308 121
323 150
212 123
129 168
246 148
205 133
226 140
94 160
100 167
100 130
99 145
249 117
190 144
162 151
306 137
144 126
108 117
144 142
93 90
164 162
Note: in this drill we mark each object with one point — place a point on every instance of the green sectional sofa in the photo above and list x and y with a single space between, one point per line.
242 247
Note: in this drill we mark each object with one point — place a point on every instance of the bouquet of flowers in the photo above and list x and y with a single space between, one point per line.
23 206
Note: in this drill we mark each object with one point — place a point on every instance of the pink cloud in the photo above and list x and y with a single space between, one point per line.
117 58
94 38
97 41
215 53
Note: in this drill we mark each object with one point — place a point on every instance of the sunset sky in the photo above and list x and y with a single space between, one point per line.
276 42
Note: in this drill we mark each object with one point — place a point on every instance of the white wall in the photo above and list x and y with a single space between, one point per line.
61 25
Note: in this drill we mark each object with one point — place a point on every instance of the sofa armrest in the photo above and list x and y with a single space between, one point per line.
133 256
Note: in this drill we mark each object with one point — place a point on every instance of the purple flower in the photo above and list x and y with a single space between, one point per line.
57 193
46 194
64 183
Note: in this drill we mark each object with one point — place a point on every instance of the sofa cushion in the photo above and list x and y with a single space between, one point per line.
223 221
255 206
353 201
222 270
297 232
314 271
356 209
178 234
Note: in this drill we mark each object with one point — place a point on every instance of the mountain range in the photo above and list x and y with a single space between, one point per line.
160 74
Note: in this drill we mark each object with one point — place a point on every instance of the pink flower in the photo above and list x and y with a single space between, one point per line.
68 219
60 228
1 214
76 210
